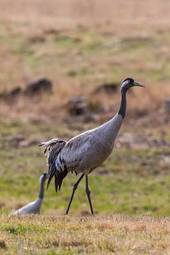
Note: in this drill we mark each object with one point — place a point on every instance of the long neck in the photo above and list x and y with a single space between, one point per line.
41 191
122 109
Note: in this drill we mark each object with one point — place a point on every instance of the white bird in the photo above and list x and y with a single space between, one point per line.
33 207
85 152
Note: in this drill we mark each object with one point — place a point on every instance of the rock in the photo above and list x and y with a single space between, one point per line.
82 106
15 92
106 88
32 89
12 94
78 106
36 87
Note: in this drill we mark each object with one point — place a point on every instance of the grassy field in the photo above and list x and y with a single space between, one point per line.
79 46
134 181
86 235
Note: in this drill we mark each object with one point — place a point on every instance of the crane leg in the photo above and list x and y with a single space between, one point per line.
74 189
88 194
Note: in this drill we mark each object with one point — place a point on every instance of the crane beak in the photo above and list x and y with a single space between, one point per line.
138 84
45 174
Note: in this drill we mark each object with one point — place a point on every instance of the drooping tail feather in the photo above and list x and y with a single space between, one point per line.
56 143
51 171
59 175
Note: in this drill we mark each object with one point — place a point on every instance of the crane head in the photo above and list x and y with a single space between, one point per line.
129 83
43 177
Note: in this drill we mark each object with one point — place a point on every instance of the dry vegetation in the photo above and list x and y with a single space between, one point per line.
80 45
85 235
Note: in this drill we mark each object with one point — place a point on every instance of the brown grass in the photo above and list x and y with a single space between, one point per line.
86 235
66 12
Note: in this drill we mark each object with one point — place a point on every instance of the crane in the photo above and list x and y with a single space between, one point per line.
33 207
85 152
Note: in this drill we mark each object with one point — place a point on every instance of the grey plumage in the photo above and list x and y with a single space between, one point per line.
52 149
87 151
35 206
56 143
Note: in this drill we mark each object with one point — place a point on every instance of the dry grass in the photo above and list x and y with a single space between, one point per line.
85 235
66 12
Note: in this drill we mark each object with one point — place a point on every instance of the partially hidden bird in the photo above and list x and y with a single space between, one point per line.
35 206
86 151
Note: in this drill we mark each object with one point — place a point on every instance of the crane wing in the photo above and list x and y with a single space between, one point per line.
75 150
50 144
68 159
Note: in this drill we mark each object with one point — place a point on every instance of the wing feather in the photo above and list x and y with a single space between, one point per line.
49 145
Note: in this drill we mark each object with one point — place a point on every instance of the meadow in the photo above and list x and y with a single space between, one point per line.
79 51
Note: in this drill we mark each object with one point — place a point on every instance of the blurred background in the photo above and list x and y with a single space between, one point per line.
61 63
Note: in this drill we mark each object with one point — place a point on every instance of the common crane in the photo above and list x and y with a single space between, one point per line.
33 207
84 152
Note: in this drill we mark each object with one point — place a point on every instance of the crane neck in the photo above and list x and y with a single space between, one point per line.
122 109
41 191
